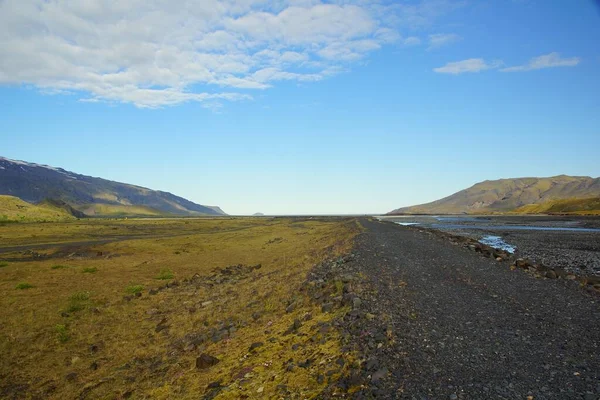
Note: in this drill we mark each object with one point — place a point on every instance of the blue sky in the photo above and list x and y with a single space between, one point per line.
302 107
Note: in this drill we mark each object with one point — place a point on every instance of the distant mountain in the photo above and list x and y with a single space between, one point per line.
217 210
505 195
258 214
35 183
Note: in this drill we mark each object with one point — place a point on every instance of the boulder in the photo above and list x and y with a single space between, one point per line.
206 361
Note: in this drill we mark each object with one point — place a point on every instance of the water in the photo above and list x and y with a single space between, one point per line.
498 243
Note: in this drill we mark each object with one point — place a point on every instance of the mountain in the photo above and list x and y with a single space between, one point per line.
217 210
13 209
35 182
505 195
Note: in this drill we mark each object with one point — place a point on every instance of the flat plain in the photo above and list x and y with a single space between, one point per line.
147 308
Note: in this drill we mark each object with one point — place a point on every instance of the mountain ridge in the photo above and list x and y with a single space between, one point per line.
509 195
34 183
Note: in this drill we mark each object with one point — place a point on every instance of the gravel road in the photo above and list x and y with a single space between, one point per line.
460 326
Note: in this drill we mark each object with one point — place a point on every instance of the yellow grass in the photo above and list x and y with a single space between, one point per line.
76 334
13 209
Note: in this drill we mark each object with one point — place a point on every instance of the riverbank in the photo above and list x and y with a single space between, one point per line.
570 243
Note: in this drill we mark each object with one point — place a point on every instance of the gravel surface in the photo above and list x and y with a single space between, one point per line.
577 252
442 322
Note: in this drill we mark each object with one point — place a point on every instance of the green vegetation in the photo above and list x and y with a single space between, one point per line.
59 266
3 264
24 285
589 206
165 274
133 289
120 210
78 301
13 209
89 270
61 333
101 322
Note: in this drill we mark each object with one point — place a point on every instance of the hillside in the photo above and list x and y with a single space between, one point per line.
35 182
505 195
589 206
13 209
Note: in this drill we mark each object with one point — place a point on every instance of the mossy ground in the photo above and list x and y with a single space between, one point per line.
89 335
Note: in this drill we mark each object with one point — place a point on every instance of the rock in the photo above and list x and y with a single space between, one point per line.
498 258
152 292
327 307
64 314
369 316
206 361
189 347
160 328
570 277
206 303
551 275
214 385
138 294
260 389
255 346
522 263
356 302
380 374
290 308
71 376
453 396
152 311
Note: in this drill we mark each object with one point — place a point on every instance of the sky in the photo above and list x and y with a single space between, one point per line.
301 106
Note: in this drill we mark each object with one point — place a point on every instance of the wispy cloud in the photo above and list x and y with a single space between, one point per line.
551 60
152 54
442 39
465 66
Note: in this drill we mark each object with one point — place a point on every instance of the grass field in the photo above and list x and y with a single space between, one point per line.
81 317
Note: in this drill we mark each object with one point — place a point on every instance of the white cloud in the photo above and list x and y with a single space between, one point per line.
154 53
442 39
551 60
411 41
470 65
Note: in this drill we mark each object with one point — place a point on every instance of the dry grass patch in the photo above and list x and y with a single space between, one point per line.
113 344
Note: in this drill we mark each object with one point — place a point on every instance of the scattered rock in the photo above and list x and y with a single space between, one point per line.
290 308
255 346
71 376
380 374
206 361
327 307
551 274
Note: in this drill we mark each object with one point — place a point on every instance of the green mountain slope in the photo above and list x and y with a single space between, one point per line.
505 195
13 209
589 206
34 183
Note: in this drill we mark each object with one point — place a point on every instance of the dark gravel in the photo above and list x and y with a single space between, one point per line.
442 322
